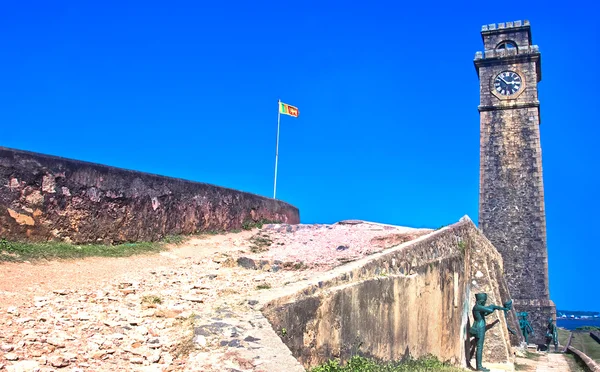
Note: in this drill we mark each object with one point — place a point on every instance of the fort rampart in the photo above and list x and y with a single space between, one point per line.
46 198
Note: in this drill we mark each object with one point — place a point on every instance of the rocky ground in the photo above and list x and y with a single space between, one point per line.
194 307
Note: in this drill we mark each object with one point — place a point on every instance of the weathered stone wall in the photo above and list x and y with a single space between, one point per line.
511 201
414 299
512 212
50 198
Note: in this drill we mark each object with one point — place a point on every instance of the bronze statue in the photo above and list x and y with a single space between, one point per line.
525 326
480 311
507 308
552 335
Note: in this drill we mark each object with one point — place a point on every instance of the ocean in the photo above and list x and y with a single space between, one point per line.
574 323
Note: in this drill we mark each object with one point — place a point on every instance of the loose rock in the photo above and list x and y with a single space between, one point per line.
11 356
13 310
56 342
137 360
154 358
23 366
6 348
106 327
200 340
59 361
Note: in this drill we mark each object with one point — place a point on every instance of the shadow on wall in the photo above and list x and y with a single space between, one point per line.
471 343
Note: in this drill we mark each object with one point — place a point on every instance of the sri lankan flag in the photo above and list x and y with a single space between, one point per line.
286 109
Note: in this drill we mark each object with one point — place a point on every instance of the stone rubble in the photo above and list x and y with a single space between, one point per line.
197 314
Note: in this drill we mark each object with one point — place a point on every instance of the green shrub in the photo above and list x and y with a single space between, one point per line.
357 363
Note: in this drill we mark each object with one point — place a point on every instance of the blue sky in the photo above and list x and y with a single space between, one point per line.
388 128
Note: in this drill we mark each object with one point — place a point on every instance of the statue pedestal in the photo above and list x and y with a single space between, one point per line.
532 347
539 312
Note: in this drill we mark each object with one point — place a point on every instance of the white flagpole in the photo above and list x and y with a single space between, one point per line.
277 148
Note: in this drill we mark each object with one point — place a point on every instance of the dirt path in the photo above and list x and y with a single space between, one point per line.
20 282
551 362
143 313
318 246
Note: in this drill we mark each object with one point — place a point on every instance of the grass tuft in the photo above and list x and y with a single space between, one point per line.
521 367
260 243
250 224
532 356
361 364
186 338
151 300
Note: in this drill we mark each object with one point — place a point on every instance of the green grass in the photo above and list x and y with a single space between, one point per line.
462 246
249 224
585 343
588 328
361 364
563 336
521 367
573 365
21 251
151 299
532 356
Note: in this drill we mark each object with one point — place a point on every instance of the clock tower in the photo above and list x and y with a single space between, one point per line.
511 190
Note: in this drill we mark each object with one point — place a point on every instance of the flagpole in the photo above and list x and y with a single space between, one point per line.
277 148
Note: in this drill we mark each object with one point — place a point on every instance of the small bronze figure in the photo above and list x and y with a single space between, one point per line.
480 311
552 335
525 326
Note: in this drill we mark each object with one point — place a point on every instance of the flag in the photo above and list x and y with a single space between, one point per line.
286 109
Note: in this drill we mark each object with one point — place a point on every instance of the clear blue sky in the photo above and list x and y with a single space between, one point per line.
388 128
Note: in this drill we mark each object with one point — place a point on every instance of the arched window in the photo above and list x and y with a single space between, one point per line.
507 44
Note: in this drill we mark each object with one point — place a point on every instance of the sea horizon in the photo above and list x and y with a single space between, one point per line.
572 324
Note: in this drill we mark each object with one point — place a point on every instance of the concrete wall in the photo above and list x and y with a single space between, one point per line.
414 299
50 198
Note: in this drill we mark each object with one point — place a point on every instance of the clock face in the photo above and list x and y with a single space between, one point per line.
507 83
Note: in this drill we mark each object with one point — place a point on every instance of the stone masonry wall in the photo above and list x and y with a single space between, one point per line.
414 299
512 212
50 198
511 200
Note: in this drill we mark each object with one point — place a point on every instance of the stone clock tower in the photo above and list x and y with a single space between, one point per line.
511 190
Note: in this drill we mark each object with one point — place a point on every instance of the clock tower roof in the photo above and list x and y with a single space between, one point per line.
506 43
517 33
